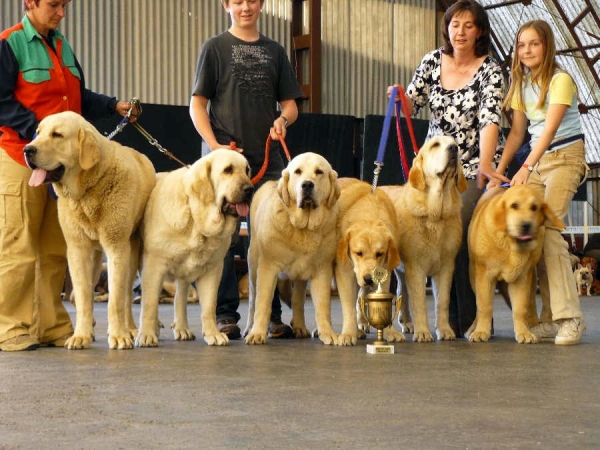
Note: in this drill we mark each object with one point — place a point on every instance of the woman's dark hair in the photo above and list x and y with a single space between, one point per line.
483 44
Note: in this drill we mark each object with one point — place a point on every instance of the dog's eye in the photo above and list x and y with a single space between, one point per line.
359 254
514 205
378 254
228 170
56 135
319 172
534 208
298 172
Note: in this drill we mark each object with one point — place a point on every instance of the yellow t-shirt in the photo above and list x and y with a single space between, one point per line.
562 91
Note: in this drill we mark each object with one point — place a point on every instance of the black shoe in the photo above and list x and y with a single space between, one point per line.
280 330
230 328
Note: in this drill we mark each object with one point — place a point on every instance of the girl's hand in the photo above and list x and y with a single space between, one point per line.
520 177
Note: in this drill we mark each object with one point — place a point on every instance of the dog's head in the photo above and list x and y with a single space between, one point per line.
438 166
591 262
368 246
218 185
308 187
65 144
584 273
522 213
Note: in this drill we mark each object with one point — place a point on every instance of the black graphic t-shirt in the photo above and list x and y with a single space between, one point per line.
460 113
244 81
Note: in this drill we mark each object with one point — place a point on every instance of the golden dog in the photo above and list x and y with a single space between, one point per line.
293 223
430 232
190 218
367 231
102 190
506 237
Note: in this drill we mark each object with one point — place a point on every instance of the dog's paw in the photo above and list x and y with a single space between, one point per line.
390 334
301 332
407 327
79 342
479 336
146 340
423 336
526 337
183 334
217 339
445 334
346 340
256 338
328 338
122 342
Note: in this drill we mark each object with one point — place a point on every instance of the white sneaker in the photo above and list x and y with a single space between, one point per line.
545 331
569 331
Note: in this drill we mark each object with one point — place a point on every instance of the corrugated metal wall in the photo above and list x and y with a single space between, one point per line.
368 45
148 48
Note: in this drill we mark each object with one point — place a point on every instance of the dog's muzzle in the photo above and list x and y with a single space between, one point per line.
40 175
307 200
241 208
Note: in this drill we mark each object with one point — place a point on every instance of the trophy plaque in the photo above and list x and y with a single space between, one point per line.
376 309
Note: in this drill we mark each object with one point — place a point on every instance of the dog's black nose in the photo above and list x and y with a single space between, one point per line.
368 280
308 185
29 150
526 228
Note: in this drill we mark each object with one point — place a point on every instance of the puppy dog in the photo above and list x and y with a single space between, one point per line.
584 279
102 190
430 232
293 223
591 262
367 231
189 220
506 237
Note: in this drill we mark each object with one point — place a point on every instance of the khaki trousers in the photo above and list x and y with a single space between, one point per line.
33 261
557 176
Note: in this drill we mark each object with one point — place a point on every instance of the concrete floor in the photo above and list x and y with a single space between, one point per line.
300 394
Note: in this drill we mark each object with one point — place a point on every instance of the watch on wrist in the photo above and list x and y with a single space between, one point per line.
528 167
285 121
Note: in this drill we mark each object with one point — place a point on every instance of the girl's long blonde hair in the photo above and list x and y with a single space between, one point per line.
544 74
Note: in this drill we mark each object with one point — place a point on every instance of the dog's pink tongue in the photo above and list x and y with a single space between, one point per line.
37 177
242 209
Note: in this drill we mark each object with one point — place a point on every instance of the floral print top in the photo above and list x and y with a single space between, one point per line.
463 112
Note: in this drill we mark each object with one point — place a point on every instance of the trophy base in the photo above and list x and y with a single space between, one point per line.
380 349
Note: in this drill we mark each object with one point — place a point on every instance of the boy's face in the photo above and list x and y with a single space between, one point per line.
244 13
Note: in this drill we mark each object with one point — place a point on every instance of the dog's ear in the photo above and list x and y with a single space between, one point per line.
416 177
282 188
461 181
499 217
334 189
198 182
89 152
393 257
343 248
551 218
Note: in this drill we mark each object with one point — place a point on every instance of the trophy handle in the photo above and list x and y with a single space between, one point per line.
361 303
398 305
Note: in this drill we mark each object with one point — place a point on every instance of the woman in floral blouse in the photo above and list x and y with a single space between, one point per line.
463 87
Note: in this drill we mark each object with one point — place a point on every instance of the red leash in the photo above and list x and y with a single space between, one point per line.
263 169
411 132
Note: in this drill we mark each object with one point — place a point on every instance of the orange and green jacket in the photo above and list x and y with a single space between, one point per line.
39 77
